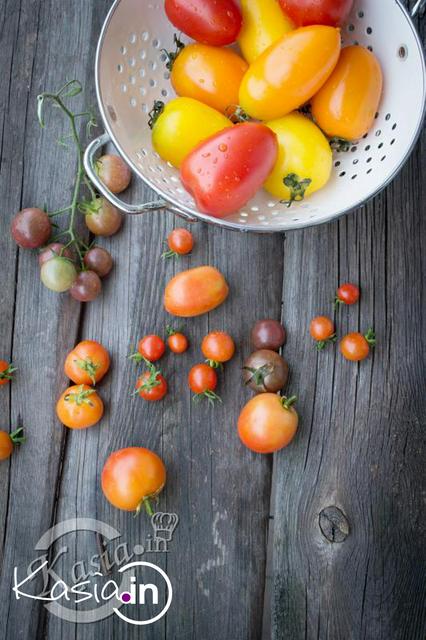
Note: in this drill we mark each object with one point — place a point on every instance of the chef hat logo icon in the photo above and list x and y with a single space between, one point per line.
164 525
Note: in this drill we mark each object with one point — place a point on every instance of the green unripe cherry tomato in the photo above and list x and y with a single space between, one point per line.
58 274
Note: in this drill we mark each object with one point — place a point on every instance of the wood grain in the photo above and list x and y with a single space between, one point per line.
360 447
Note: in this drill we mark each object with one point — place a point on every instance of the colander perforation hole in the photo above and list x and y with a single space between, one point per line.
380 145
133 102
123 88
369 31
360 14
370 48
166 75
355 161
369 159
145 36
342 174
369 171
383 159
132 38
152 82
403 52
155 43
123 50
142 91
367 148
394 126
120 68
388 116
337 163
351 27
142 54
392 141
354 176
132 62
378 133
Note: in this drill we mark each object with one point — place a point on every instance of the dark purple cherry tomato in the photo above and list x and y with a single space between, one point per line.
86 287
114 173
99 260
31 228
214 22
103 219
265 371
52 251
268 334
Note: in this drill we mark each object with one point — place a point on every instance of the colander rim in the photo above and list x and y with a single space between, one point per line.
257 228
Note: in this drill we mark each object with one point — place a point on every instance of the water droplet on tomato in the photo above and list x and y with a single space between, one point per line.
223 147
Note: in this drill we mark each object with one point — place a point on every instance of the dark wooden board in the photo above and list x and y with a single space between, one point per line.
360 440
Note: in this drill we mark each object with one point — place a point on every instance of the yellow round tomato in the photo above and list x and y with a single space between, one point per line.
263 23
209 74
182 125
304 158
346 104
290 72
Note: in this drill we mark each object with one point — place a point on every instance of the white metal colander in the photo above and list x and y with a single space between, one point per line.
131 74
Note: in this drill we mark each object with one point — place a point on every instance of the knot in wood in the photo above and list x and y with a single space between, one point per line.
333 524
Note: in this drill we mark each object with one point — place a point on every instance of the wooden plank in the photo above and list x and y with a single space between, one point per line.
46 325
219 490
361 436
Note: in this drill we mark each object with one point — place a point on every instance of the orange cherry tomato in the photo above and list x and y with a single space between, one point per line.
347 294
356 347
268 423
194 292
209 74
8 441
87 363
150 348
290 72
323 331
217 347
151 386
202 380
6 372
181 242
347 103
177 341
79 407
131 477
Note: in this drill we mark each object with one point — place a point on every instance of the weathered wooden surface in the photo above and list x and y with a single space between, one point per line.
362 427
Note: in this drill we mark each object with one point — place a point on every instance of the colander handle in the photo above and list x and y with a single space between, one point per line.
417 7
131 209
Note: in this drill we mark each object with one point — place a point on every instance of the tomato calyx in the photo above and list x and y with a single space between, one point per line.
214 364
169 254
321 344
171 331
370 336
297 187
172 55
287 403
17 437
90 207
236 114
210 395
340 144
80 397
155 113
89 367
7 374
259 374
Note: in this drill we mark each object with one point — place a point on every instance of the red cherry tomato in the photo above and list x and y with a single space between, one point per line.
225 171
202 380
347 294
150 348
151 386
180 242
215 22
306 12
6 372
